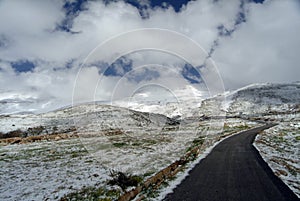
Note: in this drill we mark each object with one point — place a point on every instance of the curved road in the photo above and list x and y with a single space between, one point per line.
233 171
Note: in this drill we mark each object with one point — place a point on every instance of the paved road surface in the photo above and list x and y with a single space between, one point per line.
233 171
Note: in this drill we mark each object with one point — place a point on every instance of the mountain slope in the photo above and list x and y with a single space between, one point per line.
86 118
264 98
255 99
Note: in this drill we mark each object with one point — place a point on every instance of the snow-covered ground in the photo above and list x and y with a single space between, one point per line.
47 170
280 148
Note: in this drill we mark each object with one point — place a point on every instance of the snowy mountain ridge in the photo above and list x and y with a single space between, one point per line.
252 99
264 98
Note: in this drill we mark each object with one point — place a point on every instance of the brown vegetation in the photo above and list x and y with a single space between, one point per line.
11 134
20 140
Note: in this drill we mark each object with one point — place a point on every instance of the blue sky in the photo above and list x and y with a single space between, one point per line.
22 66
44 43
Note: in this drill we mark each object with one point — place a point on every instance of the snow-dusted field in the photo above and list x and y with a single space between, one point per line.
280 148
46 170
49 170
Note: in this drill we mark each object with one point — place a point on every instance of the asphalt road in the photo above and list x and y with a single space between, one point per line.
233 171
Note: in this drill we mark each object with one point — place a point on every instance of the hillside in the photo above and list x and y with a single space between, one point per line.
264 98
85 118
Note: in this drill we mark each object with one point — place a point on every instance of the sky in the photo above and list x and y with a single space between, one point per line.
43 45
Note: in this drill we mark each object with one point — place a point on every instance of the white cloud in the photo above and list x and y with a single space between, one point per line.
264 48
32 90
28 26
29 18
